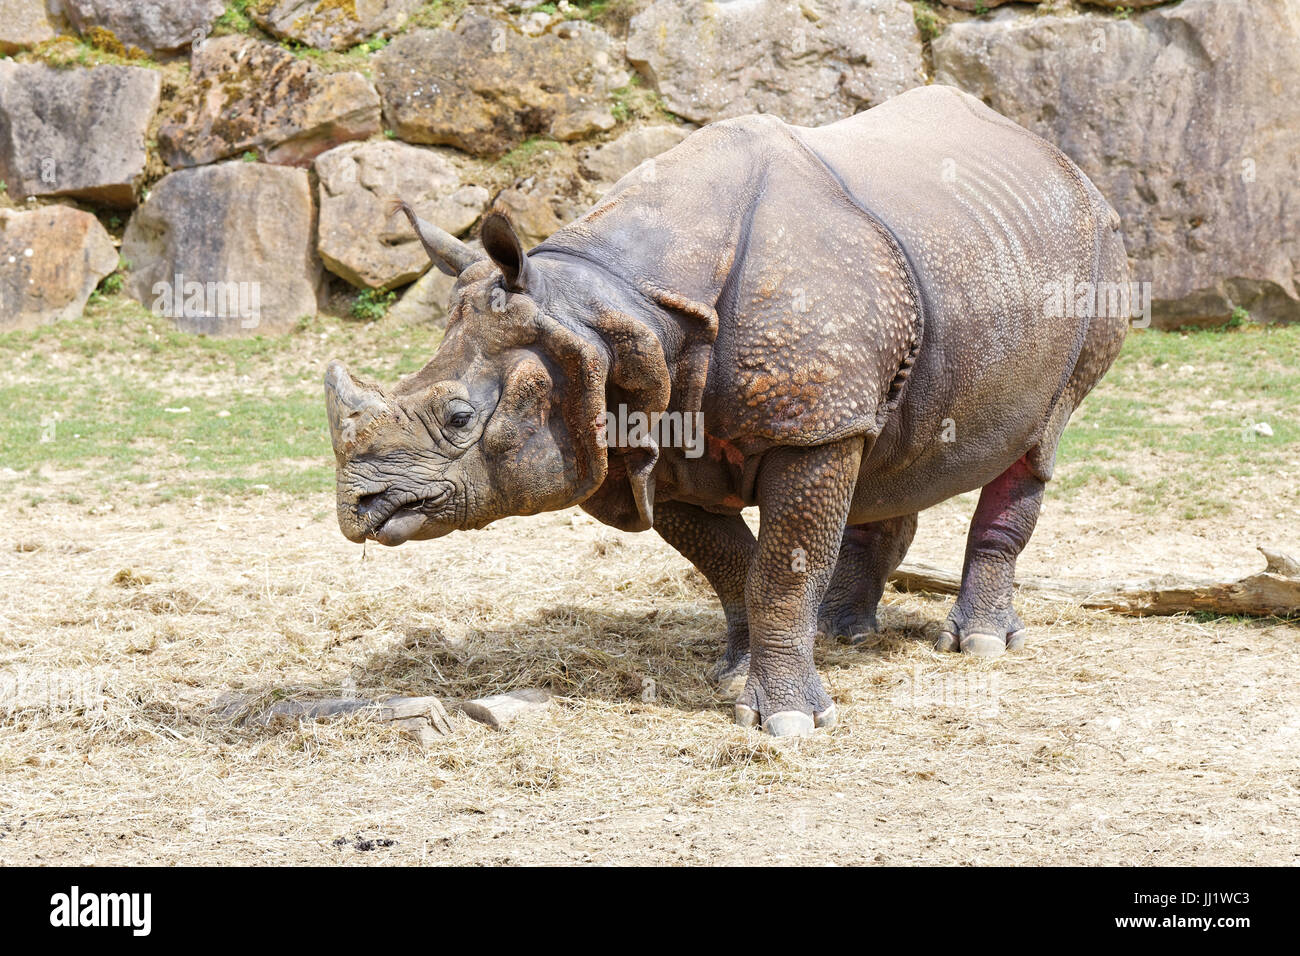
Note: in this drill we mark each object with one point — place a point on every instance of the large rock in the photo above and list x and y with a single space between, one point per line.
425 301
75 132
155 26
51 259
609 162
332 24
1187 120
978 6
359 239
226 249
23 24
973 6
484 87
247 96
808 62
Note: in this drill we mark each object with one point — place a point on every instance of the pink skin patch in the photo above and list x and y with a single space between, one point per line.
997 514
719 448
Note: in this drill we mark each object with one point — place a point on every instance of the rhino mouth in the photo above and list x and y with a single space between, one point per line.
392 519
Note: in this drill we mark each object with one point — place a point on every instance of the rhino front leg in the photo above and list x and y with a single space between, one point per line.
722 548
869 553
983 622
804 496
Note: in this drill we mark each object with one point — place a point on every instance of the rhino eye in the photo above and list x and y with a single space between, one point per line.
459 419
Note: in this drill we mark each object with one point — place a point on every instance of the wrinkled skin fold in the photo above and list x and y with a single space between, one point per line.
856 315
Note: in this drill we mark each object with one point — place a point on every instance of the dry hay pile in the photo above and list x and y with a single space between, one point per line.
1109 741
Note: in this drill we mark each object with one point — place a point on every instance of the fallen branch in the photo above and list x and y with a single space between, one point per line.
423 719
500 709
1273 592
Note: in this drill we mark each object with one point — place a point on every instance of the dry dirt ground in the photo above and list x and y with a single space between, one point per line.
1108 741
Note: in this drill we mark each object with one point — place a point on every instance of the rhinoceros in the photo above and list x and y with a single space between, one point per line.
858 316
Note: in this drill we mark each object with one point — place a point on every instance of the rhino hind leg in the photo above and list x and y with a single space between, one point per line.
869 553
722 548
982 621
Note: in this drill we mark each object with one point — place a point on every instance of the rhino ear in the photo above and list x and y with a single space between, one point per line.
504 248
640 371
583 400
641 379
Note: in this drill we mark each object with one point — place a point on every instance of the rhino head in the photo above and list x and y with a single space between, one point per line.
507 417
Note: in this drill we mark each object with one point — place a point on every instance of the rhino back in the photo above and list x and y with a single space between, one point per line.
825 250
989 216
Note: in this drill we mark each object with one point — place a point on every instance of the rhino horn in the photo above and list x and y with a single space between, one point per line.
350 407
448 253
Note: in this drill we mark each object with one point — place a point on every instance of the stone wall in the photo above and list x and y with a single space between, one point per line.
241 155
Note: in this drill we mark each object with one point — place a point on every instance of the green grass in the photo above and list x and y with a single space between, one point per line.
67 51
370 305
235 19
90 398
1180 408
126 432
436 14
356 58
927 22
526 154
637 101
612 14
1167 431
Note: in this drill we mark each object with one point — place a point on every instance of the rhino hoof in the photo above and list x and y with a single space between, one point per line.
789 723
827 718
983 645
746 716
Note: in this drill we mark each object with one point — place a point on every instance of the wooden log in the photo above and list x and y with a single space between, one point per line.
500 709
314 709
423 719
420 730
1273 592
413 712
